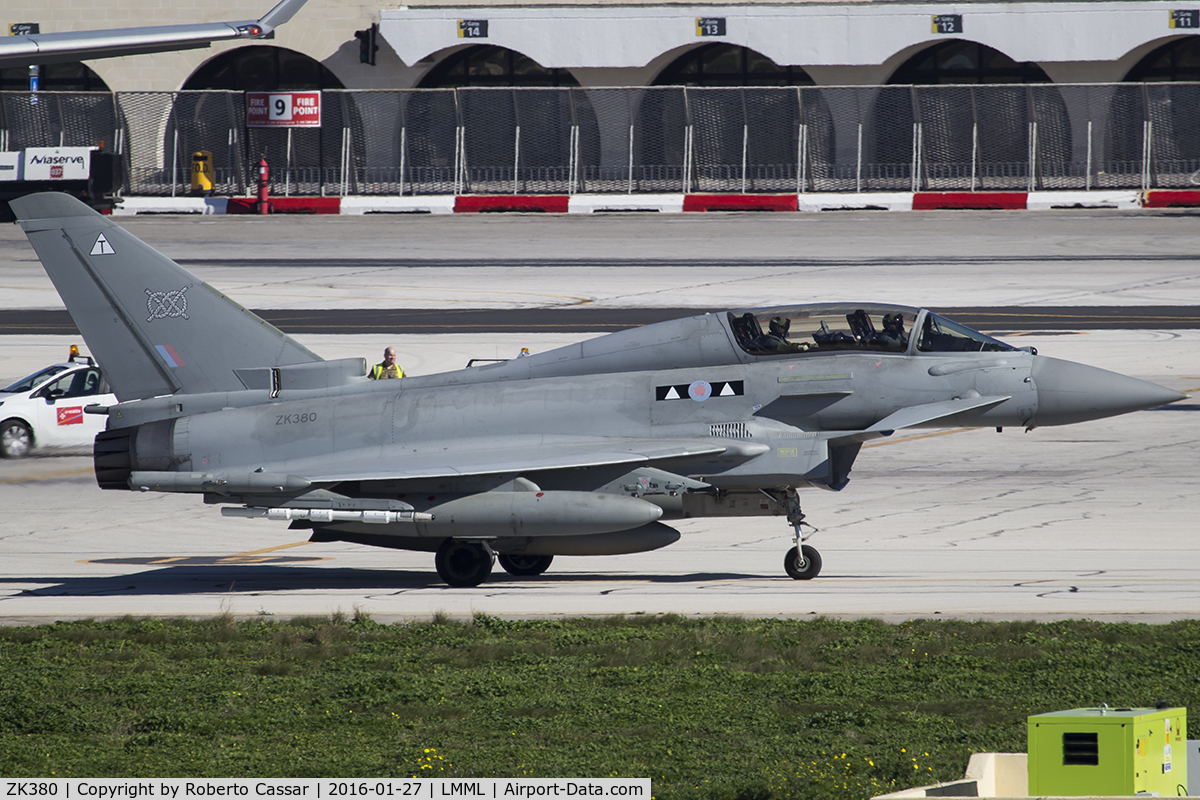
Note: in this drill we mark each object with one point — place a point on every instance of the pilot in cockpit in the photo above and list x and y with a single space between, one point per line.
893 331
777 332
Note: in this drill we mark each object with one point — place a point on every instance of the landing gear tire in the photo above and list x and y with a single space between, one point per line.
463 564
524 566
16 440
806 571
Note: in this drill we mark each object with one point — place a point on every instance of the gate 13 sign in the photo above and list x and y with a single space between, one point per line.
283 109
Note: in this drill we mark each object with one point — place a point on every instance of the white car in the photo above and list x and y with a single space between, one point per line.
45 409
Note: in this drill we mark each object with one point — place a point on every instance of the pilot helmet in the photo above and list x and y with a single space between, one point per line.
780 325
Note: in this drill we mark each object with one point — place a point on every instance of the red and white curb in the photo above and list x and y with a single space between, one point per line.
666 203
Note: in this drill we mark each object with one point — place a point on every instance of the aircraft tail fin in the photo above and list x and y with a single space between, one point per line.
155 328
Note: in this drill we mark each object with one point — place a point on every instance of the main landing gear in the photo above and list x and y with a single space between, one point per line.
463 563
802 562
524 566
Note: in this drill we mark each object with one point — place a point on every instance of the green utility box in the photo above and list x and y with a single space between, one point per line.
1108 751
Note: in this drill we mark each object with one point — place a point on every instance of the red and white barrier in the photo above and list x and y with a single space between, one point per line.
668 203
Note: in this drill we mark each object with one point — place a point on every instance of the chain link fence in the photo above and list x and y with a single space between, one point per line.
639 140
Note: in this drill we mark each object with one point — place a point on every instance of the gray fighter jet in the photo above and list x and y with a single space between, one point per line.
583 450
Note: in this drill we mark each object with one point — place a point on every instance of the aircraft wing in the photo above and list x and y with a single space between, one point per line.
57 48
501 455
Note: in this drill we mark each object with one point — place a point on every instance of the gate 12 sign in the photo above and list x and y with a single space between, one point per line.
283 109
947 23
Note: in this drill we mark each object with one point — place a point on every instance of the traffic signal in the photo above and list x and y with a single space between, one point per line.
366 44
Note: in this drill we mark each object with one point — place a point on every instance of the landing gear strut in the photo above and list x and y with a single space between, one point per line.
462 563
802 563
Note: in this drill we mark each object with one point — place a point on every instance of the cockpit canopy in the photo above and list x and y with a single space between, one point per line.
829 327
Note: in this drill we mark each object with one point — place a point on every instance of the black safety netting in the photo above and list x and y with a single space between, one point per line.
667 139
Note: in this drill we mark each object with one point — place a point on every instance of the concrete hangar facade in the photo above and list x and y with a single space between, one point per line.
426 44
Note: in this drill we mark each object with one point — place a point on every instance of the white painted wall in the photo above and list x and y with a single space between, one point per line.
1092 41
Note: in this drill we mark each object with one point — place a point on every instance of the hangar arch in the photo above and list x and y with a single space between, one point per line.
724 64
74 76
737 103
970 137
1175 61
962 61
523 139
207 117
79 114
1159 97
262 68
491 65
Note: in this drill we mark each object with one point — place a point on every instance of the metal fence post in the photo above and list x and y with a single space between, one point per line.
974 140
1088 181
459 158
801 144
62 126
573 147
629 188
745 144
174 149
1147 134
916 148
233 162
688 142
516 158
974 151
287 167
858 163
1031 183
801 159
403 154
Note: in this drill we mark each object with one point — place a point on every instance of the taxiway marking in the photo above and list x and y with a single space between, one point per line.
48 476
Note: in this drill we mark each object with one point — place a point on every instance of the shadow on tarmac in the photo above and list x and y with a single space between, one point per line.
255 579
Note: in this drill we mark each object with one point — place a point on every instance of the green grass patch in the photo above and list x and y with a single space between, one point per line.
727 709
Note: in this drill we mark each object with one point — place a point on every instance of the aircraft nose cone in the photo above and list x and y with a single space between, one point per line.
1068 392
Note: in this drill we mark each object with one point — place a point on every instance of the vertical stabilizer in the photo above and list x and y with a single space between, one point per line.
155 328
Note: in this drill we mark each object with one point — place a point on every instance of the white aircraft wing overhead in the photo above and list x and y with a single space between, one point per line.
502 455
57 48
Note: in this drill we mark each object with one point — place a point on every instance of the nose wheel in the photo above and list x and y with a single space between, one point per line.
802 563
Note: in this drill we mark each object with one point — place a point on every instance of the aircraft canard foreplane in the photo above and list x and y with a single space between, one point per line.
588 449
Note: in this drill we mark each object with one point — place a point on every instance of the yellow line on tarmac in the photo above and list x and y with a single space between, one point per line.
49 476
267 550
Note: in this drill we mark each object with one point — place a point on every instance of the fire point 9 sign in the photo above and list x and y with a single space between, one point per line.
283 109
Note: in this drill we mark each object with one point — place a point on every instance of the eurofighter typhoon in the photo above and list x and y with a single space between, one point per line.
588 449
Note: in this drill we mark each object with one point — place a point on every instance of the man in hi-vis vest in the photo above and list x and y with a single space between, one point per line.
388 368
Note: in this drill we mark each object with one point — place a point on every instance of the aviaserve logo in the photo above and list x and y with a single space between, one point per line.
52 160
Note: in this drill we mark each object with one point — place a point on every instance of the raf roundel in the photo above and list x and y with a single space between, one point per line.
700 391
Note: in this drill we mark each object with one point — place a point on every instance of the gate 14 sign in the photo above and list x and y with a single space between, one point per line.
283 109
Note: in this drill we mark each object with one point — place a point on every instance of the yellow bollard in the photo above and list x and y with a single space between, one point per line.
203 173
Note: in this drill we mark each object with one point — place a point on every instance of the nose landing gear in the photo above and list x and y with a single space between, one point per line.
802 562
